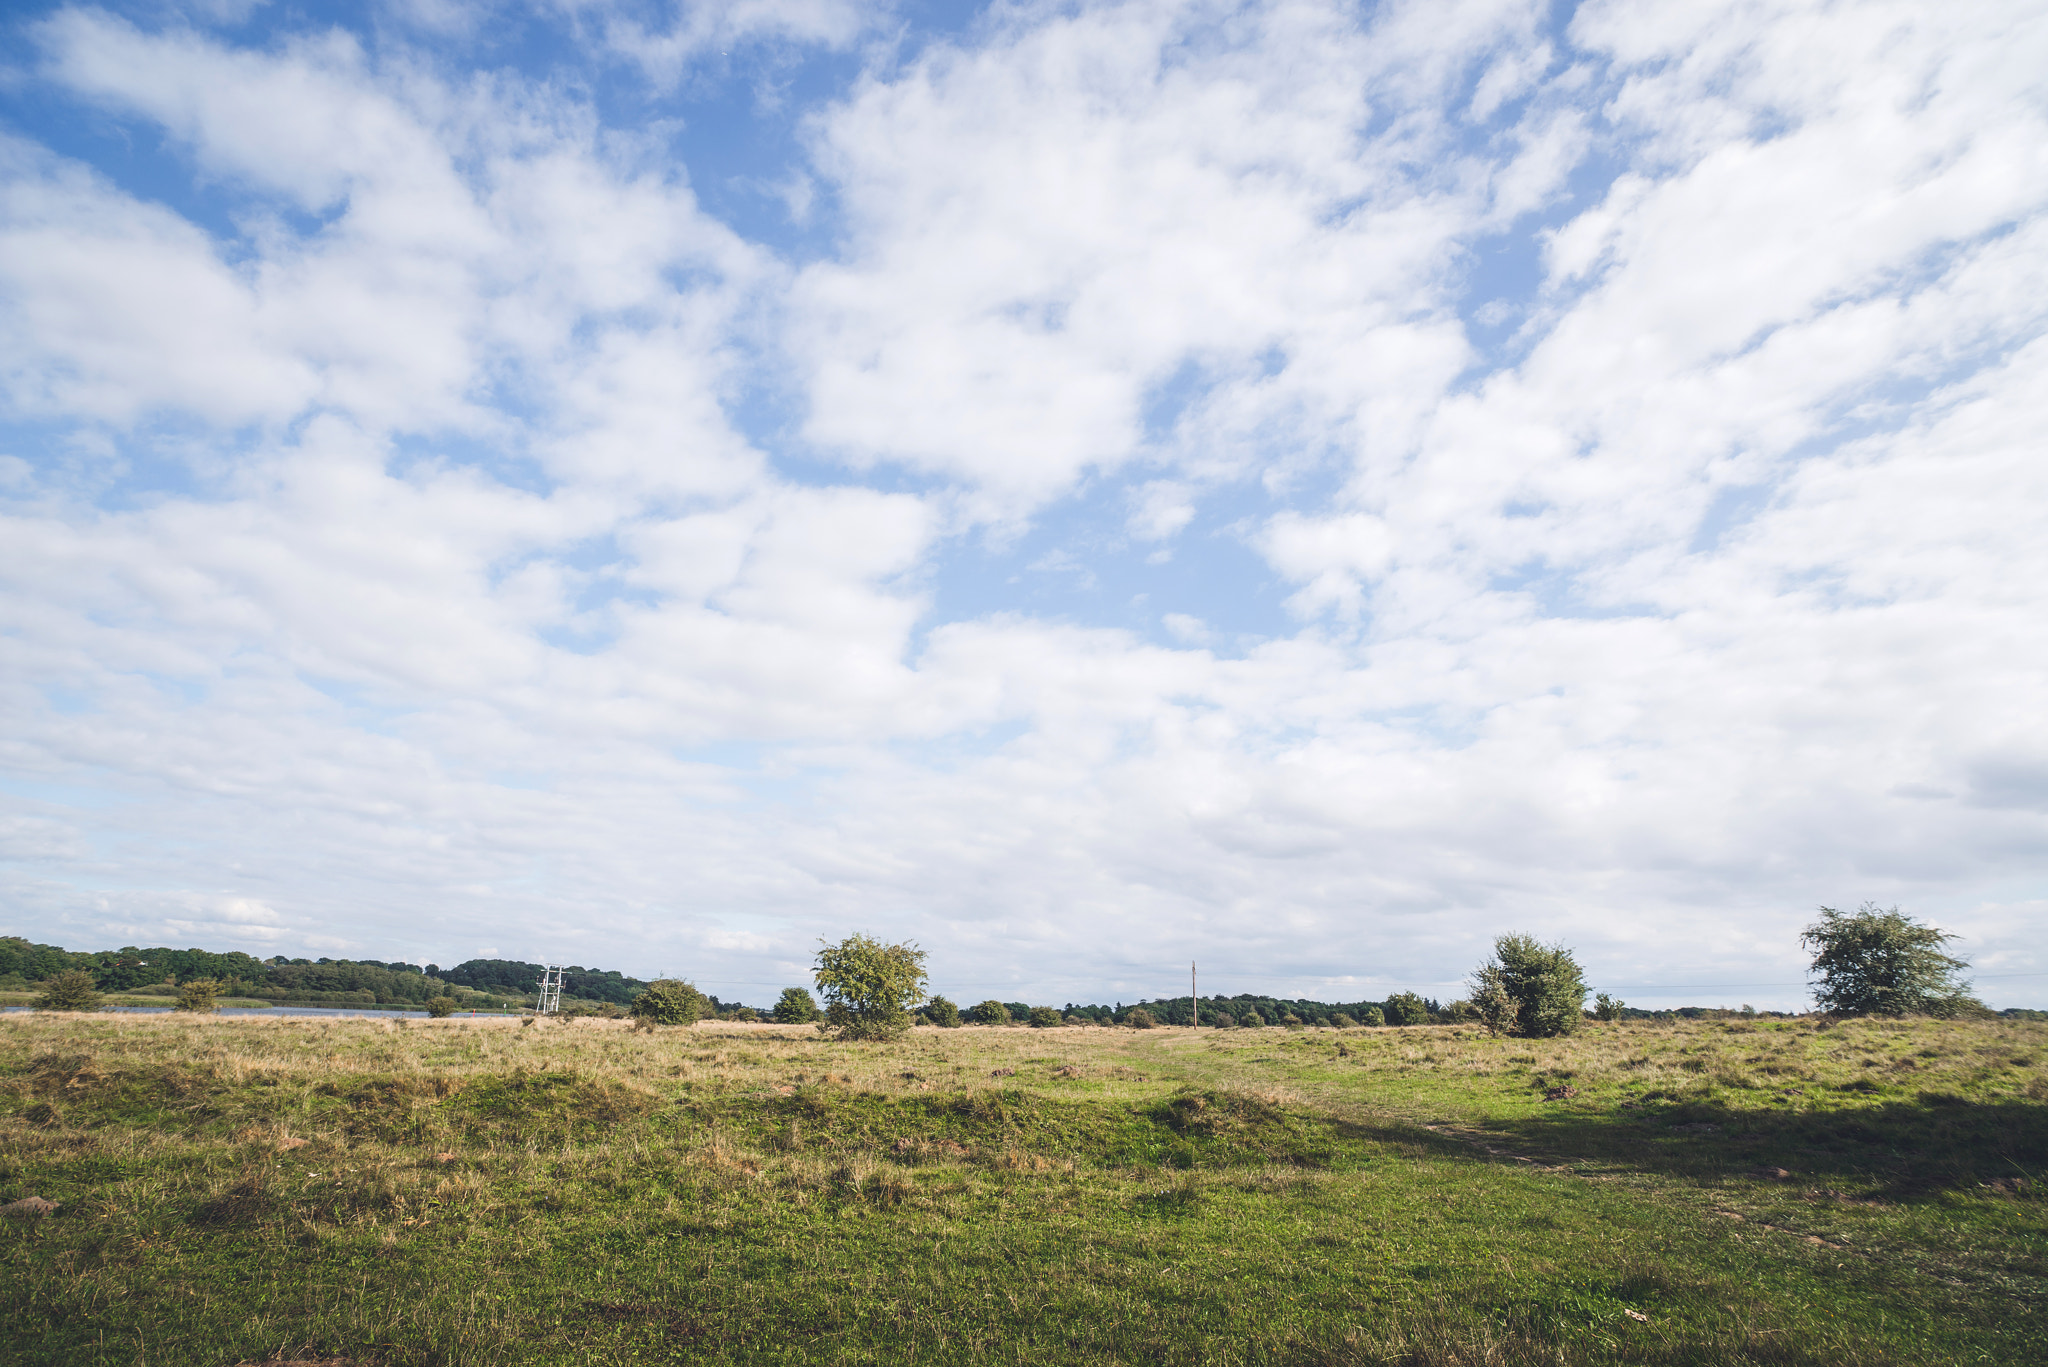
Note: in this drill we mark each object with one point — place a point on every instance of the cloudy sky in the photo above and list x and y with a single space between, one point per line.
1088 486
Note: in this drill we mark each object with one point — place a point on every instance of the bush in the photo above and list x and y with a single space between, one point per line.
1291 1021
869 986
1343 1021
670 1001
1371 1016
745 1015
1251 1019
1405 1008
796 1006
1457 1013
991 1013
71 991
439 1007
1138 1018
943 1013
1222 1020
1529 989
1606 1008
199 995
1884 963
1044 1017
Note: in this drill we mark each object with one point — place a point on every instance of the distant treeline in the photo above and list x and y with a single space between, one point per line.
510 976
330 982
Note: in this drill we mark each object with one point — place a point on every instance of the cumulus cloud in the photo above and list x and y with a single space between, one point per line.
438 523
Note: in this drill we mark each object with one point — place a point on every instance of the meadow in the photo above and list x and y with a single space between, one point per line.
486 1191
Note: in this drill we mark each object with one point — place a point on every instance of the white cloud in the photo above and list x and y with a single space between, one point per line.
476 618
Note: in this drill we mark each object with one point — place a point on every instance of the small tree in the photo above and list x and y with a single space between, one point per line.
1529 989
1606 1008
439 1007
796 1006
943 1013
200 995
670 1001
1371 1016
1884 963
1044 1017
69 991
1405 1008
991 1013
1138 1018
869 986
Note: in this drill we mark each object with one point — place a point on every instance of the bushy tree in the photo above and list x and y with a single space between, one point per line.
1371 1016
670 1001
795 1006
991 1013
200 995
1405 1008
439 1007
944 1013
869 986
1606 1008
1529 989
1138 1018
69 991
1044 1017
1884 963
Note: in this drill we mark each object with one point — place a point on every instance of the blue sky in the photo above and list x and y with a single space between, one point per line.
1305 487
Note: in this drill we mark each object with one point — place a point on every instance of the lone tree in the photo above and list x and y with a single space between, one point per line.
70 991
199 994
869 987
991 1012
1884 963
1405 1008
944 1013
795 1006
1529 989
1044 1017
668 1001
439 1007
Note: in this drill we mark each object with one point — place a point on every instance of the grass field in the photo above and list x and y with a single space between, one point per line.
486 1192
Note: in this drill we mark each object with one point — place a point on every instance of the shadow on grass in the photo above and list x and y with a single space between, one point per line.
1905 1149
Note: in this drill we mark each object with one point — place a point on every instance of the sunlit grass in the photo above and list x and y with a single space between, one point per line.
489 1191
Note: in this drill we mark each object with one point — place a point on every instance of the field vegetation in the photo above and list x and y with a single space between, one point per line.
603 1191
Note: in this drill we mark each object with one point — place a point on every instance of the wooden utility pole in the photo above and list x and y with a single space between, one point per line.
1194 1002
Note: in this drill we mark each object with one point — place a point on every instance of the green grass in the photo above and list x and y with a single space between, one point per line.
482 1192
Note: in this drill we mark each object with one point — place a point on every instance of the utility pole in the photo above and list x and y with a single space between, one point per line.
1194 1002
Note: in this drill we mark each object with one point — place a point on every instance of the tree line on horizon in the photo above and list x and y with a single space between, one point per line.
1873 961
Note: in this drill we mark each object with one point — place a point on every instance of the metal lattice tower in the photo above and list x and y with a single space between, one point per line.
550 990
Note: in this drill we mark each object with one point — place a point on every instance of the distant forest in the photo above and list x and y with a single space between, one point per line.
372 982
315 982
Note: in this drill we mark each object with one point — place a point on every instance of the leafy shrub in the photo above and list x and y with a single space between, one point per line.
1606 1008
1250 1019
439 1007
1291 1021
1457 1013
795 1006
1138 1018
1044 1017
746 1015
1529 989
991 1013
1222 1020
670 1001
69 991
1342 1021
869 986
943 1013
1405 1008
199 995
1885 963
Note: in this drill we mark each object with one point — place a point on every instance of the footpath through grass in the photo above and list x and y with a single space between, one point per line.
478 1191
